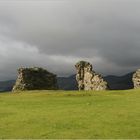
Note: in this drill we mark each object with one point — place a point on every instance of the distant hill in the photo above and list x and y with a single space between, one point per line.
120 82
69 83
6 85
115 82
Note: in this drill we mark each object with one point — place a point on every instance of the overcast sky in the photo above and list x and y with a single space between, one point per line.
55 34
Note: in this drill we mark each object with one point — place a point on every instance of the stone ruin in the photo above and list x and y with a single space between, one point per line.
35 79
87 79
136 79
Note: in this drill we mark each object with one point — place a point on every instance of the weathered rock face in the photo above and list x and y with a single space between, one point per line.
87 79
35 79
136 79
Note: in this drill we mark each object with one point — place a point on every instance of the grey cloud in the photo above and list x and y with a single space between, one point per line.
61 32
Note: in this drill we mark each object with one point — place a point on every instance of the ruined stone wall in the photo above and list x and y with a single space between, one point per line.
136 79
35 79
87 79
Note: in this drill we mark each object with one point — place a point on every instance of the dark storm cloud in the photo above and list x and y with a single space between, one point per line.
56 34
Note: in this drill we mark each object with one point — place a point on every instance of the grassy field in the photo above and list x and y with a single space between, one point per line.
70 114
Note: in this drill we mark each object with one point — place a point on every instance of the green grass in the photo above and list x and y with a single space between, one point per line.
70 114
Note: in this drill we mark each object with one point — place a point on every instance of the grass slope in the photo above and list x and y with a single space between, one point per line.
70 114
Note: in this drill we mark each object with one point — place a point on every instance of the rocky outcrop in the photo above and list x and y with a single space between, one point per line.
35 79
87 79
136 79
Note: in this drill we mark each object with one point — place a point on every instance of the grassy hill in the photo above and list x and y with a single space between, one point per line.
70 114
